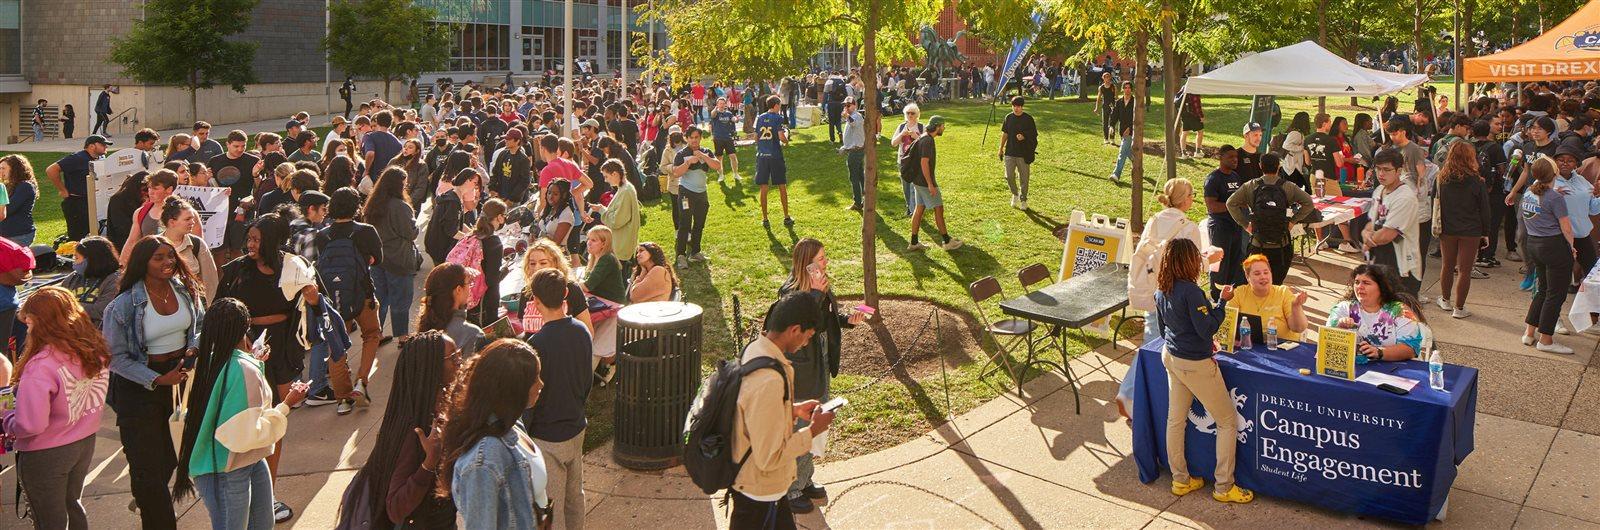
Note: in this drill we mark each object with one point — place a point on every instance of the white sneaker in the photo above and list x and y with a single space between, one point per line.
1513 256
1460 312
1116 178
916 247
952 244
1424 299
1561 329
1554 347
1348 248
1013 201
1443 303
1527 340
683 261
359 394
1479 275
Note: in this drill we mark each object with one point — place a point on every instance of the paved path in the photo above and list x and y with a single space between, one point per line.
218 131
1032 463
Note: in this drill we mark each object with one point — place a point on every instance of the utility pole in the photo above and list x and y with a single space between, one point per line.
567 72
1455 57
625 14
327 69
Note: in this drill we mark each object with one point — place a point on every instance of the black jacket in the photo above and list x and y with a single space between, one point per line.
443 226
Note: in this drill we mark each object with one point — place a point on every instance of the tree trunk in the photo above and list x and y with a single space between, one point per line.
386 80
194 101
869 199
1141 42
1416 34
1170 108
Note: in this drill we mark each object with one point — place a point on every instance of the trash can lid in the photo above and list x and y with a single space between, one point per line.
657 314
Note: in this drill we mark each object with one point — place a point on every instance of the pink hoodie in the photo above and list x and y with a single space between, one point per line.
55 404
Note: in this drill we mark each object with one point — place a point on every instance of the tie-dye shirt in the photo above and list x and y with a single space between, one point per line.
1392 324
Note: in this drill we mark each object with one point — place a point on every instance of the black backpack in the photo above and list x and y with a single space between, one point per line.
1486 168
708 436
344 275
1269 211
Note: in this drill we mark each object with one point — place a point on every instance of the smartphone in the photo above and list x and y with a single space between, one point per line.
834 404
864 308
1386 387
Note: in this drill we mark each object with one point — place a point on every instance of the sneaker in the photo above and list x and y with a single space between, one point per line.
697 257
1443 303
952 244
1553 347
1181 489
765 223
683 261
1527 340
916 247
1116 178
325 397
346 406
788 221
359 394
1460 312
1013 201
1424 299
801 505
1347 248
1561 329
1486 263
814 492
1479 275
281 512
1513 256
1022 204
1236 494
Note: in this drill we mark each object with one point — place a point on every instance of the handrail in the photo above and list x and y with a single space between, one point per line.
119 123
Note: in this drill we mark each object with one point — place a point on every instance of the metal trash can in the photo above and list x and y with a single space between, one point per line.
658 363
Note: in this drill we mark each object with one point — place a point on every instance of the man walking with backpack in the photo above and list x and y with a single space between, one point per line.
345 250
1265 207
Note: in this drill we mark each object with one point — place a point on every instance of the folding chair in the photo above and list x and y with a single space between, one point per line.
1031 275
1019 330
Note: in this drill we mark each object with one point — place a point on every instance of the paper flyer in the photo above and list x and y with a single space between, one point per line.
1336 352
1228 334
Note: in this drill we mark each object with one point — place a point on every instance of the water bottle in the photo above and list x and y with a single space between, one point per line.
1436 371
1272 332
1244 333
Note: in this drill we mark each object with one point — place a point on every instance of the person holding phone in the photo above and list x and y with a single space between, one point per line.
405 461
817 362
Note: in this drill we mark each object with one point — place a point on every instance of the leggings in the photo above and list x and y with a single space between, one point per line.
1456 256
1552 264
53 480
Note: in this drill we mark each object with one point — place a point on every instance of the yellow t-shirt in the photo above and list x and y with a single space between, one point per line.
1279 304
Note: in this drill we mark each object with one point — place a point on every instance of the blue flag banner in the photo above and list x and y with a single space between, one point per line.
1342 445
1019 50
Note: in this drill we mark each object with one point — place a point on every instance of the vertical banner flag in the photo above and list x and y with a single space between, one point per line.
212 204
1019 50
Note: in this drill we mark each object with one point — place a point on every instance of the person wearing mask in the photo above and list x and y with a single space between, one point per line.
94 276
1269 304
393 276
1464 225
232 424
358 303
60 394
404 463
21 191
178 223
491 267
1392 235
1552 252
691 166
1188 320
445 293
1122 118
1019 141
557 422
493 470
1267 207
70 177
764 422
653 279
1224 232
817 363
907 134
1386 321
151 328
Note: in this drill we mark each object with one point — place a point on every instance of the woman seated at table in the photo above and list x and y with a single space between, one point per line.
1281 304
1188 321
653 279
1387 322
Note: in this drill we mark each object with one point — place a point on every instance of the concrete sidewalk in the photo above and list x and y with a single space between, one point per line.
218 131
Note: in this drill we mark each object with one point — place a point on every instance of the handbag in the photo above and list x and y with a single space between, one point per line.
1438 225
180 412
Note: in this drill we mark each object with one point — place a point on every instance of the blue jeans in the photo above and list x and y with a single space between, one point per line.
911 196
238 499
1123 155
23 239
394 299
793 117
38 132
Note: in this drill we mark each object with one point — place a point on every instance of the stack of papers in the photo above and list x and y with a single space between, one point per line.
1375 378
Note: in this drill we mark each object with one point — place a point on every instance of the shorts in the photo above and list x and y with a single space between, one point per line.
1193 123
722 146
927 198
771 171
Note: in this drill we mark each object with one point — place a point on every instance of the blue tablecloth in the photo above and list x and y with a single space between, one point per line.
1343 445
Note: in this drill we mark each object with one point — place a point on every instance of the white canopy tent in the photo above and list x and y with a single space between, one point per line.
1303 69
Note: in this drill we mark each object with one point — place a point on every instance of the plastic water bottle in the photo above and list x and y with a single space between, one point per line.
1436 371
1244 333
1272 332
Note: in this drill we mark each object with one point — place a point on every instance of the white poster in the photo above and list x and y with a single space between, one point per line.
212 203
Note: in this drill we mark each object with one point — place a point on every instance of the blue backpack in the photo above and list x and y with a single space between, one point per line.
344 276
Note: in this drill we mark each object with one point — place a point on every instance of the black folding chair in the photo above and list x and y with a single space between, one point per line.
1018 330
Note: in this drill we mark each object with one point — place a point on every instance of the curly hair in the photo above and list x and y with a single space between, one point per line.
55 319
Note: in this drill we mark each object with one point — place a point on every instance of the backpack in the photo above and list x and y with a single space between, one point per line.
355 507
344 275
469 253
1269 211
1486 169
709 431
1143 265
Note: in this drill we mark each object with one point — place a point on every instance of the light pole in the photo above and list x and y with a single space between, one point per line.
625 48
566 72
327 69
1455 61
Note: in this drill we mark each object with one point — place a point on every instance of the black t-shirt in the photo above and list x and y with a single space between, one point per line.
1023 125
923 149
234 173
510 175
1320 147
564 348
1108 96
1491 151
258 291
1220 186
368 244
1249 166
626 131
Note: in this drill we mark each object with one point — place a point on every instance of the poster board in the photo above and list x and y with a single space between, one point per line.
106 175
1093 241
1336 352
212 205
1228 334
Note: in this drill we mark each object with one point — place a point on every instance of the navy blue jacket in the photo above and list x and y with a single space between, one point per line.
1189 320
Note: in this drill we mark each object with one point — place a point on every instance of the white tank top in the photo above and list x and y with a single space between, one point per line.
166 333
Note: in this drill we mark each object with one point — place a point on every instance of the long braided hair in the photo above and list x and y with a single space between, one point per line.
223 330
422 382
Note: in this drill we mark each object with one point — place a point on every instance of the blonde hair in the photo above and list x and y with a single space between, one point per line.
551 250
1544 175
1172 190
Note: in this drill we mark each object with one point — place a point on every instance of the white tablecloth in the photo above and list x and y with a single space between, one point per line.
1586 301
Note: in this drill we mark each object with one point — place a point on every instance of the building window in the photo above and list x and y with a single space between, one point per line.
480 47
10 37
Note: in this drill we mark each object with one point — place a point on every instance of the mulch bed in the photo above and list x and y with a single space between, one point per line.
890 340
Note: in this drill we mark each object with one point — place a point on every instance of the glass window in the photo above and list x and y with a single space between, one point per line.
10 37
480 47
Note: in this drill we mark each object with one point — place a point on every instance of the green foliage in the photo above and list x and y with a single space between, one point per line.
186 43
387 39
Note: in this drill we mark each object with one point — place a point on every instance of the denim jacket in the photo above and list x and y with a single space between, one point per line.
123 326
502 477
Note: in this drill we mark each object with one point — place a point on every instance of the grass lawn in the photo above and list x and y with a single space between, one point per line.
749 263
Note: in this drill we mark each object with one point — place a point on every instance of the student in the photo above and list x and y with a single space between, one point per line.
151 327
1414 171
1391 238
905 135
557 421
1123 118
853 143
1019 141
691 166
393 276
1384 318
1104 105
179 221
232 424
510 171
722 144
60 391
353 294
21 191
491 267
771 136
817 363
604 277
94 276
445 224
496 472
653 279
1464 212
544 254
556 218
146 221
919 164
766 416
404 463
1188 321
69 176
622 215
1551 253
1267 207
445 293
1272 304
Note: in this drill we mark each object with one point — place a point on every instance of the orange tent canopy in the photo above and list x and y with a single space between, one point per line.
1568 52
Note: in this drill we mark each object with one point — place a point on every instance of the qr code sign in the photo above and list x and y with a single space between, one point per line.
1088 259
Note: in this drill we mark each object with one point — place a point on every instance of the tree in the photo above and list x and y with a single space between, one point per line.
186 43
386 39
772 39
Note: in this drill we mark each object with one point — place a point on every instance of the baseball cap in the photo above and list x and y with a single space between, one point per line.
935 121
96 139
292 124
590 123
516 134
1251 127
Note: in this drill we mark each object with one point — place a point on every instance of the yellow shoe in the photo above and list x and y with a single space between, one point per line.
1237 494
1180 489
